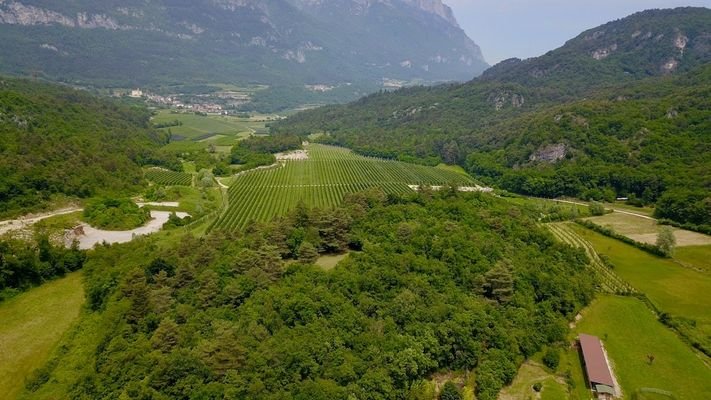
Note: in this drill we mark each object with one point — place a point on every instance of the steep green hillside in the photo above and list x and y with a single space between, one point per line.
576 130
56 140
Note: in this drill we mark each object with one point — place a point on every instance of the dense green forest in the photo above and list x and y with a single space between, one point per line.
567 123
434 282
57 140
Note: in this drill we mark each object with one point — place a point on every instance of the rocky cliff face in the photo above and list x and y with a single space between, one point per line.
435 7
289 41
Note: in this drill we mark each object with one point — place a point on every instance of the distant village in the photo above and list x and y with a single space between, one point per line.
221 103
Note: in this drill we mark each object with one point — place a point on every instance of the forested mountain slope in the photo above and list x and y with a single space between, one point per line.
274 42
621 124
441 282
57 140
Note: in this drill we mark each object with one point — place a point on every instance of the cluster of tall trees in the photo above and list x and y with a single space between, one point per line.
24 264
434 282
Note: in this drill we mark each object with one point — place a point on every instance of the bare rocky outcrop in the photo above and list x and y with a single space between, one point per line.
550 153
15 13
504 97
604 52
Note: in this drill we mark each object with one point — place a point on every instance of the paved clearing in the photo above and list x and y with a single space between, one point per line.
32 325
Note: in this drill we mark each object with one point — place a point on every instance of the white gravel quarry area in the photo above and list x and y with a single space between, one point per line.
89 236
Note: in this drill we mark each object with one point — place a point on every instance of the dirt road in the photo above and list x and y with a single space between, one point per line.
31 219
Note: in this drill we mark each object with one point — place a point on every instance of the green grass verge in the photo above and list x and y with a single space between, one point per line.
630 332
32 325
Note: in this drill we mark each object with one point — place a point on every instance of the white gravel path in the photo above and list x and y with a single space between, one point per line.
92 236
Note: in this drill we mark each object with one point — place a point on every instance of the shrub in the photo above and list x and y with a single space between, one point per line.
552 358
450 391
597 209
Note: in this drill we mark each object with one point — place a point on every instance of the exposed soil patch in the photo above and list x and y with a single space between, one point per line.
296 155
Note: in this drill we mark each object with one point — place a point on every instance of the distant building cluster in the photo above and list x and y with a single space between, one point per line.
207 105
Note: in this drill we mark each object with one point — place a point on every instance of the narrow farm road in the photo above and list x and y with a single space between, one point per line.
612 208
29 220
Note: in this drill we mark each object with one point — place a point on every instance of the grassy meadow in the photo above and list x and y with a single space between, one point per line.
32 325
554 386
645 230
195 127
675 289
696 256
630 333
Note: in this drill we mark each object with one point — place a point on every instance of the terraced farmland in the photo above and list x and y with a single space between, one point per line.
610 282
169 178
321 181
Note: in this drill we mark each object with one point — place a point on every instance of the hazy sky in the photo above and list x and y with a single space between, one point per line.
528 28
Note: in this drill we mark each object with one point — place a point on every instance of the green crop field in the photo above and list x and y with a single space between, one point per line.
321 181
631 333
32 325
169 178
195 126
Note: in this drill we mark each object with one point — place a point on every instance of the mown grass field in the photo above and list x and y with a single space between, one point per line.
683 292
697 256
675 289
32 325
630 333
321 181
645 230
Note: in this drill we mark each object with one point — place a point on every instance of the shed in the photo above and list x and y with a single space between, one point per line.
596 367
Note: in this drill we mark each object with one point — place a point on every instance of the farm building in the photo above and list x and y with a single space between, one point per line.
596 367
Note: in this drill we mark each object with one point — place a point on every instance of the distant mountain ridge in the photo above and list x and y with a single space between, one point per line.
648 43
257 41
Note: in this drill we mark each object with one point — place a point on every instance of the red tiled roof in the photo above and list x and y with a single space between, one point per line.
595 363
